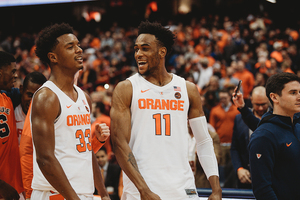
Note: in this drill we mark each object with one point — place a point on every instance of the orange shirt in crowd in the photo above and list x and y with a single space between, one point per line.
248 81
277 55
265 69
223 121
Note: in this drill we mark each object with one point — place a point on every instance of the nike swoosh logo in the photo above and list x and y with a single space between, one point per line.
4 142
143 91
69 106
288 145
18 121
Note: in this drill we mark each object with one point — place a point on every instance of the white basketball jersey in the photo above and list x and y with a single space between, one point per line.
20 119
159 139
73 147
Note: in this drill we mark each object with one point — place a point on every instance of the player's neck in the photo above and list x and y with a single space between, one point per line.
159 77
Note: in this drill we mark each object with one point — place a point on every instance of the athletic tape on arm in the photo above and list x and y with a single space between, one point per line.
204 144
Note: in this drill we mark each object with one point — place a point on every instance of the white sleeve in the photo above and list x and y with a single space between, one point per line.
204 145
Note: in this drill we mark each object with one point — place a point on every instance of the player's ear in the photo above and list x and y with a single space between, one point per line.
274 97
163 52
52 57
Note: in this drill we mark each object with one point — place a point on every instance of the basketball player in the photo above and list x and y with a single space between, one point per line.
31 83
149 126
10 170
63 160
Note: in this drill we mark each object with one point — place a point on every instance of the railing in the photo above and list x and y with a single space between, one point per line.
228 193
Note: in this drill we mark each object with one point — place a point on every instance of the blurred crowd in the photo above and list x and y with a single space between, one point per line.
213 52
204 48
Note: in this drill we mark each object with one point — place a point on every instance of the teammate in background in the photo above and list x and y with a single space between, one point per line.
274 147
10 170
149 126
63 160
31 83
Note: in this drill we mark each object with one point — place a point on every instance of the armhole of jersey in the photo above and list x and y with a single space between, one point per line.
187 94
132 86
45 86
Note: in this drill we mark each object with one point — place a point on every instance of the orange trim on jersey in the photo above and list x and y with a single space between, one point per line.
56 197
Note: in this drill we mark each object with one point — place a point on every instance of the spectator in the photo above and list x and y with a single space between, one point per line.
110 173
222 119
205 72
228 79
247 79
241 136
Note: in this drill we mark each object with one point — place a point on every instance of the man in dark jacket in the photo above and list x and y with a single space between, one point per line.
110 172
274 146
241 136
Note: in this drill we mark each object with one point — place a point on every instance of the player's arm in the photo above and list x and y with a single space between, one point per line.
45 109
102 131
204 144
120 136
98 180
7 191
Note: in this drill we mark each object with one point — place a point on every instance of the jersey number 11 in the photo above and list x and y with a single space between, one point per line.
158 119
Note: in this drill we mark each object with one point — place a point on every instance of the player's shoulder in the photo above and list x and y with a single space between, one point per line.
122 93
123 86
45 95
191 88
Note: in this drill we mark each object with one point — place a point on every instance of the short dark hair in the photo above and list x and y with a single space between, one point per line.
6 59
103 149
47 40
224 90
164 35
101 106
34 77
275 83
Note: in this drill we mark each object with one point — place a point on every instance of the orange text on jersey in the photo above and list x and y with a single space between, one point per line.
76 120
161 104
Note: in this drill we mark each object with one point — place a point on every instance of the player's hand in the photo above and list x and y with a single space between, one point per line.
8 192
238 100
217 195
244 176
102 132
